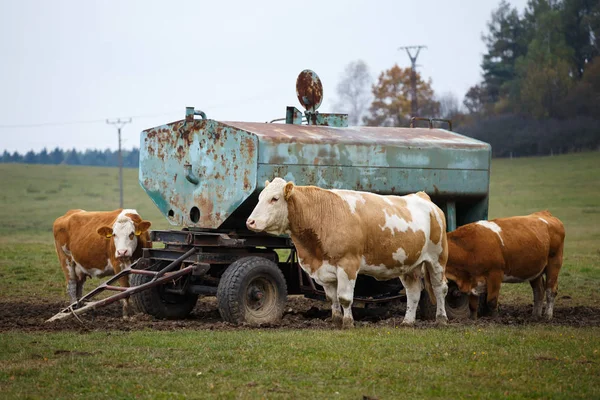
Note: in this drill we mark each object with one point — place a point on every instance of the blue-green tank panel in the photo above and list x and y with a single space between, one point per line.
198 164
399 181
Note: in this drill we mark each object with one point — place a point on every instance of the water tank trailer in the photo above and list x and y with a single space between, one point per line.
205 176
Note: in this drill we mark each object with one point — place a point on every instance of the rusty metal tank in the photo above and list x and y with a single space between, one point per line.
207 174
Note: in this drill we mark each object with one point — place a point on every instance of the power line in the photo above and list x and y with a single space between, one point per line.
41 124
92 121
414 105
120 124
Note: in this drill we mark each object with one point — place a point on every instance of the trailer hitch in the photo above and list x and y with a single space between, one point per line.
160 277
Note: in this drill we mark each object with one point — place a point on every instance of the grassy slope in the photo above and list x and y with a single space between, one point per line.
534 361
569 187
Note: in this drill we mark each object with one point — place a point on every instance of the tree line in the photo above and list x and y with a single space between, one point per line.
99 158
540 87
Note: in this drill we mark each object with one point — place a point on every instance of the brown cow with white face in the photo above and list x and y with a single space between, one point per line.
99 244
482 255
341 233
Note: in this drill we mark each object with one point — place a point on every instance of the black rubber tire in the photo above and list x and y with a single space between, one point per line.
156 302
242 282
457 304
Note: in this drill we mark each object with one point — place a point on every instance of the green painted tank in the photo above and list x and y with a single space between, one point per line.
203 173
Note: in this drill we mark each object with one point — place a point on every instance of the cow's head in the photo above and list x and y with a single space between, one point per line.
125 233
271 213
464 280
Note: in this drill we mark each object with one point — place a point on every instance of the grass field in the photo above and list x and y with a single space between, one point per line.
460 361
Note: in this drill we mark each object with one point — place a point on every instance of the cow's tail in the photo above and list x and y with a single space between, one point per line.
428 286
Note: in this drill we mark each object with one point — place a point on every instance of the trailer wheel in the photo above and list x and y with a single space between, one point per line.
159 303
457 304
252 290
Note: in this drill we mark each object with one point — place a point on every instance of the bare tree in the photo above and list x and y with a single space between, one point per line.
354 91
449 105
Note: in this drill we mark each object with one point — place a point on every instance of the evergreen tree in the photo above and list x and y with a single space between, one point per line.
505 44
30 158
56 156
44 157
72 158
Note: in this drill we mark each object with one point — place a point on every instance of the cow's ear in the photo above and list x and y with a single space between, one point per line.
105 231
267 183
287 191
142 227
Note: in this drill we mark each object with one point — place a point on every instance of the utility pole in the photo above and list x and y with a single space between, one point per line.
120 124
414 105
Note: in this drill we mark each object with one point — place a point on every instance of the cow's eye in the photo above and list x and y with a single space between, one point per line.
274 199
131 236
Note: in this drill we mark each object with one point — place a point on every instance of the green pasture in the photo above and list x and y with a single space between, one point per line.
459 361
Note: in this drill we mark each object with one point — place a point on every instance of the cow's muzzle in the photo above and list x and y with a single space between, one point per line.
251 224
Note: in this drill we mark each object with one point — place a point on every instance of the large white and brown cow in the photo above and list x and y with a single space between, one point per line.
341 233
484 254
97 244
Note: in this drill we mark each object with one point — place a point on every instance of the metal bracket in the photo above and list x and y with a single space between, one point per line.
430 121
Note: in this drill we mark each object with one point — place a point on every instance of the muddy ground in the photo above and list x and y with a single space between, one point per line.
301 313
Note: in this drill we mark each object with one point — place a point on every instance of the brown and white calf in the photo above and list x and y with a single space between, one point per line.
482 255
84 246
341 233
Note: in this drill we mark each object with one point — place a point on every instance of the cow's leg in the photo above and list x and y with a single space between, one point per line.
68 267
72 280
346 279
332 295
80 283
440 289
552 270
72 290
494 281
473 305
412 285
537 285
124 282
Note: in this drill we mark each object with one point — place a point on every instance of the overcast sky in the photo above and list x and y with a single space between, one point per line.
66 66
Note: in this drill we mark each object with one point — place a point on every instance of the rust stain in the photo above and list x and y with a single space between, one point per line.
246 180
180 152
250 148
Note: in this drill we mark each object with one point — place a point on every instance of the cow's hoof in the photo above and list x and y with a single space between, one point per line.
337 320
407 323
348 323
441 320
473 316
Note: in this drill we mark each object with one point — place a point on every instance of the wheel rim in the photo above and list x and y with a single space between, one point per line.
260 298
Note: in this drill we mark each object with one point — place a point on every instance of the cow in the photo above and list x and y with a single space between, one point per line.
84 246
484 254
341 233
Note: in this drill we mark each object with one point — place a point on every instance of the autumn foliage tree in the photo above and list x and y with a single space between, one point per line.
391 99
